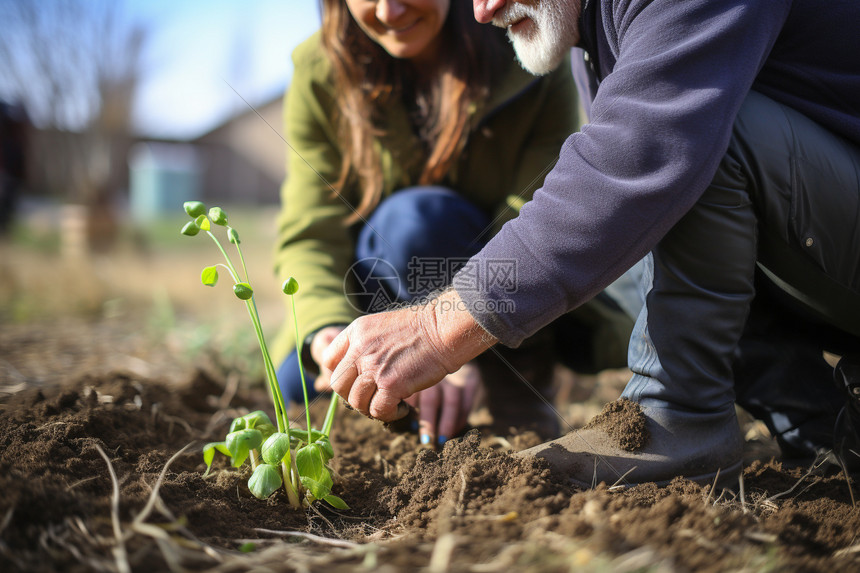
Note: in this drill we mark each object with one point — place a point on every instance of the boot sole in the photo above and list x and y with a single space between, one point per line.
728 479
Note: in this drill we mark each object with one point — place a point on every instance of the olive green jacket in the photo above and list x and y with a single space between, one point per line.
515 140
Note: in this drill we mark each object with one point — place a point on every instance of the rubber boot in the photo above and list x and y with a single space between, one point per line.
519 388
699 285
701 447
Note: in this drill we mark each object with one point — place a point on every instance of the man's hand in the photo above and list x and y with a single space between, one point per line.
381 359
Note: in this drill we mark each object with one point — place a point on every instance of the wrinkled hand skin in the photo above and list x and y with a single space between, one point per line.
381 359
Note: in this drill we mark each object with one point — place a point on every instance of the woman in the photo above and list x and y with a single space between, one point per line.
414 135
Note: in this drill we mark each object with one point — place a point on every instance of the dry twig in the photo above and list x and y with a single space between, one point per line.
119 551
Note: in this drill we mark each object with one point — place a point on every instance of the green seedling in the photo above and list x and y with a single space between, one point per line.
280 456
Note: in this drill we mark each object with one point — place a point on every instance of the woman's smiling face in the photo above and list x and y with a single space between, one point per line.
407 29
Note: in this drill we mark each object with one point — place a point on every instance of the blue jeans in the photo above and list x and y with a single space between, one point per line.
410 246
768 252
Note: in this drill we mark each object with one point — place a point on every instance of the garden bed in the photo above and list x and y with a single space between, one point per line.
96 451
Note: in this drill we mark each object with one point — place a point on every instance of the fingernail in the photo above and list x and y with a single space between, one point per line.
425 439
441 440
414 425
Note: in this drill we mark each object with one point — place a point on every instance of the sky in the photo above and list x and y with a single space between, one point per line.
199 59
198 52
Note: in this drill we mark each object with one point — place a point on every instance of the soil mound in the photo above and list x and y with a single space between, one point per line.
624 422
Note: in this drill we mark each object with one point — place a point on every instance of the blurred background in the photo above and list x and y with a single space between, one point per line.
112 114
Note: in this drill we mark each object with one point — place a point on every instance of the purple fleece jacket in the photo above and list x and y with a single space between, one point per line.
672 76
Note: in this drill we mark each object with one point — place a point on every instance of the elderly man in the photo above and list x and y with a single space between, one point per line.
723 148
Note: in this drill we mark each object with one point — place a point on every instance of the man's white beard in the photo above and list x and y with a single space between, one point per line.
555 31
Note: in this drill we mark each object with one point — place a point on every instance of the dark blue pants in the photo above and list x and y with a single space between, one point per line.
411 245
760 276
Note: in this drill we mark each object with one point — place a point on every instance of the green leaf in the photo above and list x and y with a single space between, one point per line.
335 502
241 443
209 454
203 222
194 208
266 429
290 286
309 462
218 216
276 448
255 418
300 437
238 424
248 547
243 291
233 236
265 481
209 276
190 229
320 488
325 448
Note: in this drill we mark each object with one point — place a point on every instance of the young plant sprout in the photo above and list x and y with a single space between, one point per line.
279 455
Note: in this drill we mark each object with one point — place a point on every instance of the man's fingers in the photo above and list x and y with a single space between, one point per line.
386 405
361 393
342 379
333 355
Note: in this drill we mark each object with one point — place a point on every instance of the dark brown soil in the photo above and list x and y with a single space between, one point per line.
469 507
624 422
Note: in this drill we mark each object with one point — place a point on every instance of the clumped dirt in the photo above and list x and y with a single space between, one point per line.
67 449
624 422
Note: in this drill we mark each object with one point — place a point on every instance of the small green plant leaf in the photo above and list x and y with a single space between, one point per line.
233 236
243 291
320 488
309 461
325 448
335 502
300 437
290 286
256 418
194 208
209 276
238 424
218 216
190 229
203 222
266 429
241 443
275 448
265 481
248 547
209 454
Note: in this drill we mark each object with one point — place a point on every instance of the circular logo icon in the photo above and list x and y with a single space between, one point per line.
371 284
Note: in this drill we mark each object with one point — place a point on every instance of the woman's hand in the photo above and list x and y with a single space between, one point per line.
444 408
320 342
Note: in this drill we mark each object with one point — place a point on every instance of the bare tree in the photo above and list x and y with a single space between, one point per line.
74 64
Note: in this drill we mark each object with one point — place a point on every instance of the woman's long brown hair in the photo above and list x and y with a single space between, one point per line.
367 78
